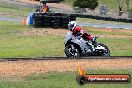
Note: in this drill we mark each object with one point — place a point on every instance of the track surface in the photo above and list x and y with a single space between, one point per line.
104 25
65 58
21 67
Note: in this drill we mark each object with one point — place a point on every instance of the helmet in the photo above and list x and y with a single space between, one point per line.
72 25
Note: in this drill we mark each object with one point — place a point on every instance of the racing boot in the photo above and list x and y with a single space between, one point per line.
90 47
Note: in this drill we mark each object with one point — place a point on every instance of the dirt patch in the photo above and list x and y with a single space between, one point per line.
46 31
63 32
55 5
24 68
109 30
114 36
61 6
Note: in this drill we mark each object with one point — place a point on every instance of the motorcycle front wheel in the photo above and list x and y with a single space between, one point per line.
72 51
105 51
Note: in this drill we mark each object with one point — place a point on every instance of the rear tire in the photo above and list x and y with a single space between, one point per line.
72 51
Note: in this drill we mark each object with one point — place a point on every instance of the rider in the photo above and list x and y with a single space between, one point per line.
76 30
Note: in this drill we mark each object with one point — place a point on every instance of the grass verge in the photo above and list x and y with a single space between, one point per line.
14 10
61 80
15 44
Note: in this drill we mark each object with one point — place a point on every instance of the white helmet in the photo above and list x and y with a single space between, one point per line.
72 25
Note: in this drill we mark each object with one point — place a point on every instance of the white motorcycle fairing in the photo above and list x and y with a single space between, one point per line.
79 41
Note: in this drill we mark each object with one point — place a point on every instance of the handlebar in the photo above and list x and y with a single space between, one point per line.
95 37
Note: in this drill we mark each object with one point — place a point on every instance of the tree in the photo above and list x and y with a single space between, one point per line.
127 3
120 5
92 4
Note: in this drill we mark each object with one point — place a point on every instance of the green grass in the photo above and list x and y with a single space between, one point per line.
14 10
31 46
12 44
69 2
61 80
118 47
15 44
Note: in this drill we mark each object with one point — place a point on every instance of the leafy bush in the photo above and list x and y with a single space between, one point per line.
92 4
130 10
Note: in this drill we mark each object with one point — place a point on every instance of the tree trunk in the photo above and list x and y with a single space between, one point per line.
127 3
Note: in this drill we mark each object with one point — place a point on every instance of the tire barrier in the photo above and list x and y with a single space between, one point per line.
72 17
56 22
52 20
65 21
47 21
106 18
51 1
37 23
61 20
37 20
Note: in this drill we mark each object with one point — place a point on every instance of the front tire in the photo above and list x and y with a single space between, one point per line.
72 51
103 52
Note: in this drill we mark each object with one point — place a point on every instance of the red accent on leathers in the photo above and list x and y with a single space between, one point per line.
89 37
78 29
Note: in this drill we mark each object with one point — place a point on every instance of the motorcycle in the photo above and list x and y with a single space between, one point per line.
77 46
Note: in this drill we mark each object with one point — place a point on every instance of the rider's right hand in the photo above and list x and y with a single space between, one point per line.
78 34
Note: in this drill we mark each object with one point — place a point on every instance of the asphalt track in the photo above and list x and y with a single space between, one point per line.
104 25
10 19
64 58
